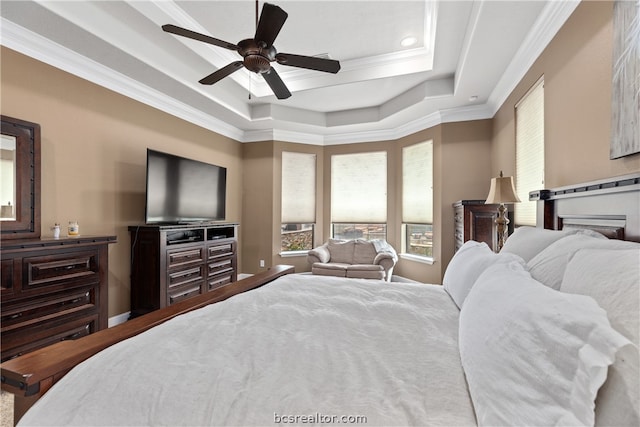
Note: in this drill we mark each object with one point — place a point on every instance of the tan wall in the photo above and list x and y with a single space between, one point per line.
258 205
94 154
577 74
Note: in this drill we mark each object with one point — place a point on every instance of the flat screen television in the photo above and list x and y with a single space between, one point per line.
181 190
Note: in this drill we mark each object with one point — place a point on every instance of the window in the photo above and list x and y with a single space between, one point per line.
529 152
298 201
359 195
417 198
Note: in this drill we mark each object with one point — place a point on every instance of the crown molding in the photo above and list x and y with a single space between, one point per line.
34 45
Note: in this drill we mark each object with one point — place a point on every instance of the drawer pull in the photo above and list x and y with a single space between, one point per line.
14 316
15 355
72 336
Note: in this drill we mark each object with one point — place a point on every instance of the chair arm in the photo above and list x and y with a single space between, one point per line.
319 254
387 258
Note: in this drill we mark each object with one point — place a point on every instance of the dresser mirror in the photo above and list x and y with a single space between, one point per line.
19 179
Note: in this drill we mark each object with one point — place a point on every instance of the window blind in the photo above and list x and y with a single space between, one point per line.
298 187
417 183
359 187
529 152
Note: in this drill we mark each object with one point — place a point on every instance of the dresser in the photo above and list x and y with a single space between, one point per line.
473 220
170 263
52 290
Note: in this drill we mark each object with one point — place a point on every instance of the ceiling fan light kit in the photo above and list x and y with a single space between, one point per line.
259 52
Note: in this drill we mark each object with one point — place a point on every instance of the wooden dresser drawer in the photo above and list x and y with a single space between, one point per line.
219 267
187 276
217 281
24 340
179 258
183 292
47 308
62 268
219 251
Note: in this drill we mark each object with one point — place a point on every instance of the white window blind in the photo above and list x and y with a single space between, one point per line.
298 187
359 187
417 183
529 152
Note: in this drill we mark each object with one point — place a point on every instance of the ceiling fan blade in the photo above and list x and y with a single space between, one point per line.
310 62
271 21
169 28
276 84
221 73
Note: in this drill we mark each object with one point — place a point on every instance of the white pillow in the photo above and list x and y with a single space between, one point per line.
549 265
466 266
532 355
612 278
527 242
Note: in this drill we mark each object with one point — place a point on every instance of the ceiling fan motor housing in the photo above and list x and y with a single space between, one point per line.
257 55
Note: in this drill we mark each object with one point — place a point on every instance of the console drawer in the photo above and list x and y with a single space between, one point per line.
217 281
218 267
178 258
183 277
222 250
183 293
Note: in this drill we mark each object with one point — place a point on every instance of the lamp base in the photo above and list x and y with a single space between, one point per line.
502 222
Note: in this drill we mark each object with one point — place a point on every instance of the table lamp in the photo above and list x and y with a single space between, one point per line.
502 191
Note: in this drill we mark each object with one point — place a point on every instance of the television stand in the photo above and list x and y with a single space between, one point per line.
170 263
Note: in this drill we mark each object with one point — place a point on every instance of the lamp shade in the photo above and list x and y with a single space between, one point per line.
502 190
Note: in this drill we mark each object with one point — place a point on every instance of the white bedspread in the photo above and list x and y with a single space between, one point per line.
301 346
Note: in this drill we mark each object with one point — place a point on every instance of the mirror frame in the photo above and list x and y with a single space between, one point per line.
27 203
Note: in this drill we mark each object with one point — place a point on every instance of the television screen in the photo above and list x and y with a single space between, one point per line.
181 190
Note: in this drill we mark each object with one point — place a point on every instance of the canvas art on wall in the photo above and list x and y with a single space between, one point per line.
625 119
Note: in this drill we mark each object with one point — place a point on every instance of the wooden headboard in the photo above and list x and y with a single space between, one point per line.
610 206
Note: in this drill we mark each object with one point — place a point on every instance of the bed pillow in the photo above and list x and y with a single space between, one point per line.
533 355
612 278
466 266
527 242
548 266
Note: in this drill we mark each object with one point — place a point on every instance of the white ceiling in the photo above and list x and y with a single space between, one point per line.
468 57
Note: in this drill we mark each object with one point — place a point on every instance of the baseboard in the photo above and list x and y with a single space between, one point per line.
244 275
120 318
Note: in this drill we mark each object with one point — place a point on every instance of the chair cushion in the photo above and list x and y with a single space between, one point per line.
365 271
364 252
341 251
329 269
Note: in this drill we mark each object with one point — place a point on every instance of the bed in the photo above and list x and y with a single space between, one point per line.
544 333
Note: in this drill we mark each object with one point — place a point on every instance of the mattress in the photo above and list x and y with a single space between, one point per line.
302 349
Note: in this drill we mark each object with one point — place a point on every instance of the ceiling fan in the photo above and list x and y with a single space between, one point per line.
259 52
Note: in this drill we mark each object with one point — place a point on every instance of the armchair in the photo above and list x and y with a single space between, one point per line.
367 259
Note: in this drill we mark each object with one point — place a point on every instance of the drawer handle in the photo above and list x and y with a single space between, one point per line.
14 316
72 336
15 355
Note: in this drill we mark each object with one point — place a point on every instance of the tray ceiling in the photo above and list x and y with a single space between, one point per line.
467 57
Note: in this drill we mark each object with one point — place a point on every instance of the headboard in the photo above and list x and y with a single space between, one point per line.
610 206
